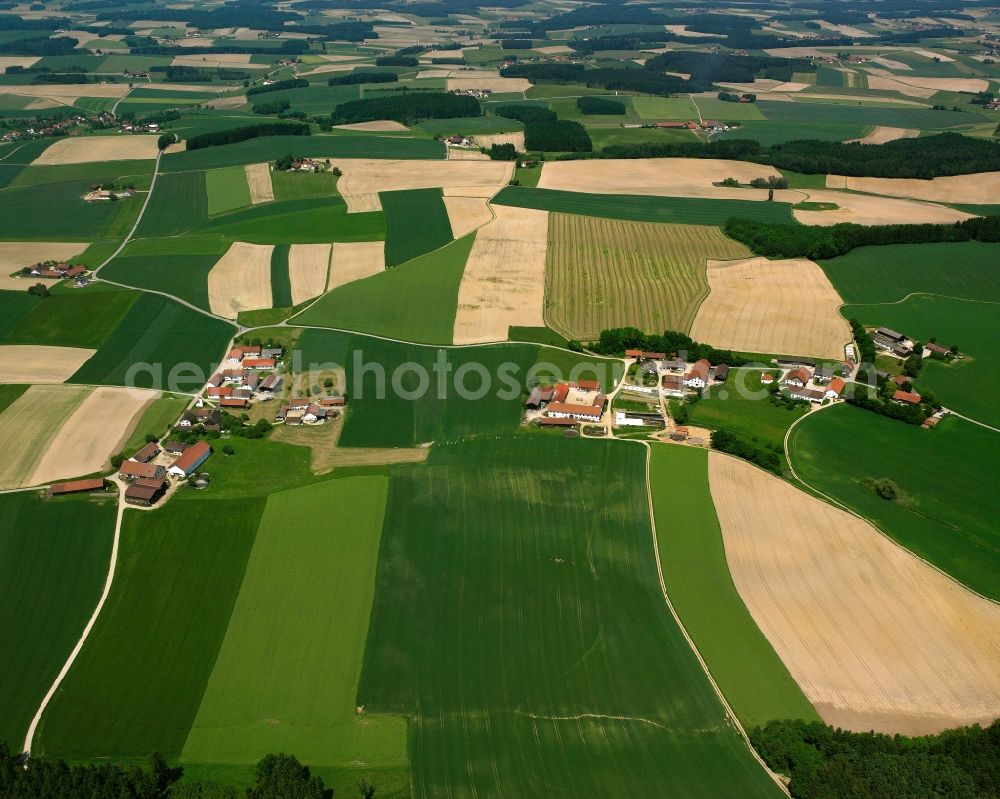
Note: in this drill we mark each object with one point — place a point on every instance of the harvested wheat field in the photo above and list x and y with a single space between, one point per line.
864 209
982 188
880 135
922 87
259 181
604 273
495 84
91 149
890 64
67 93
782 307
214 60
36 363
466 214
23 61
489 139
364 178
377 126
95 431
464 154
669 177
233 101
504 279
354 260
16 255
241 280
308 265
876 638
29 425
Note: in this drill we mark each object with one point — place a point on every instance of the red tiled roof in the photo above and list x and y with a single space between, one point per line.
560 392
219 391
699 369
836 386
909 397
133 469
588 385
229 402
582 410
192 455
258 363
73 486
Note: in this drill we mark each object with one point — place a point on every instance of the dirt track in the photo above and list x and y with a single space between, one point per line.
875 637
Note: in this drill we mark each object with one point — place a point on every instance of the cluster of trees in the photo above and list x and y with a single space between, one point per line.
880 401
767 456
233 135
817 241
543 130
866 347
503 152
709 68
237 426
732 97
823 762
614 341
194 75
273 107
599 105
639 80
396 61
515 44
165 140
279 86
407 107
363 77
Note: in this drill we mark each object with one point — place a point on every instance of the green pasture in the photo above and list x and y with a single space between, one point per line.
281 284
969 385
53 560
138 173
286 680
227 189
607 136
714 108
967 270
741 405
81 319
662 109
15 306
303 185
165 339
179 203
416 223
310 221
183 275
156 419
416 301
10 392
319 98
949 521
66 217
268 148
751 675
557 669
842 113
644 208
768 133
139 680
469 126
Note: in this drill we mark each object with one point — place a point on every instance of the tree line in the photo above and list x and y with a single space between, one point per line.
407 107
709 68
363 77
615 340
233 135
543 130
766 456
822 762
589 104
819 242
279 86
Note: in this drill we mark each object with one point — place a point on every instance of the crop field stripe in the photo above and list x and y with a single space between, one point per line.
745 666
179 203
227 189
286 675
535 575
281 284
645 208
139 679
604 273
416 223
53 561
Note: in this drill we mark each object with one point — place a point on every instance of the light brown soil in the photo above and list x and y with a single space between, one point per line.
504 279
922 87
241 280
876 638
213 60
235 101
18 61
351 261
864 209
379 125
784 307
364 178
259 181
16 255
464 154
466 214
35 363
488 140
95 431
29 424
308 265
92 149
554 49
982 188
494 83
888 63
881 134
67 93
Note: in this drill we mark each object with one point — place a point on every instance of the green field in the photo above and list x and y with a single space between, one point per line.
156 419
638 208
53 561
66 216
281 284
968 270
726 408
751 675
303 185
286 680
184 276
951 522
416 222
556 668
845 113
714 108
970 385
309 221
160 336
138 173
604 136
139 680
179 203
665 108
413 302
227 189
770 133
82 319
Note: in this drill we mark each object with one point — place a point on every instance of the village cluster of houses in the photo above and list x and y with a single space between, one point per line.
146 472
565 404
55 270
479 94
805 380
145 127
305 411
49 128
98 194
248 373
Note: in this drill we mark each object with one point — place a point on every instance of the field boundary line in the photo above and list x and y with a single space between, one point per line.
775 777
838 504
922 294
28 738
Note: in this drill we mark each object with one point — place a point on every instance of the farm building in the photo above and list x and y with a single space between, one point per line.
906 398
823 374
270 384
258 363
673 386
766 378
697 377
210 418
234 402
131 470
174 447
549 421
77 486
797 378
791 363
145 492
583 413
539 397
835 389
218 392
720 373
675 365
333 402
147 453
808 394
193 457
